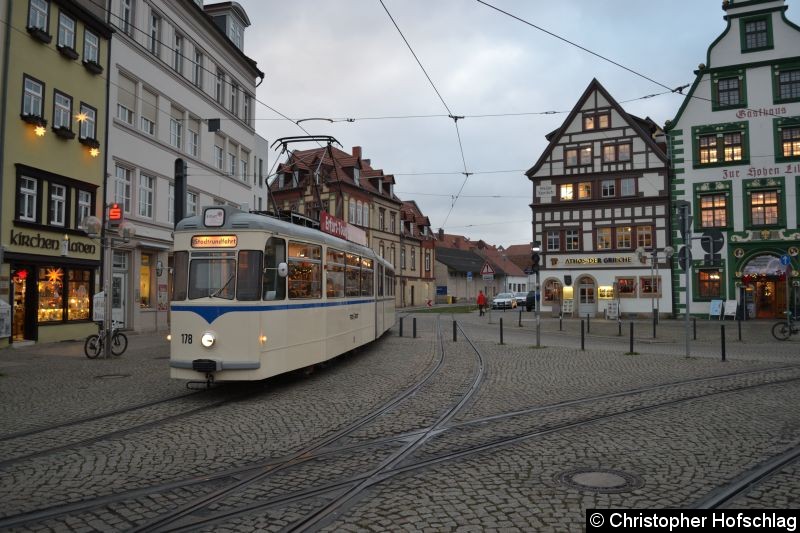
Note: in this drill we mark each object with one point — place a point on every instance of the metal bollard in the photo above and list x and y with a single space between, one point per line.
401 326
560 322
588 324
739 322
520 319
694 325
722 332
501 330
655 322
631 347
414 327
619 328
583 337
454 331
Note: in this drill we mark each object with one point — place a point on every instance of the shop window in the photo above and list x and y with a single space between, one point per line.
305 271
626 287
334 273
79 290
552 291
709 285
650 286
145 281
604 292
51 294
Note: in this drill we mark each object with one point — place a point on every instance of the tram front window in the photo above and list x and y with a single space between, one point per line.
212 274
180 269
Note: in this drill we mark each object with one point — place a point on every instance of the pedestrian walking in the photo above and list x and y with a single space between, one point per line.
481 302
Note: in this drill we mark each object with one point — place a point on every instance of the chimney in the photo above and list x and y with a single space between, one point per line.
366 161
357 152
441 234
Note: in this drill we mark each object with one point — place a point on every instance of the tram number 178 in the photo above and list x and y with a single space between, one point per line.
186 338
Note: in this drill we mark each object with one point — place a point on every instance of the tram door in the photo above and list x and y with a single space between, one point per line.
587 297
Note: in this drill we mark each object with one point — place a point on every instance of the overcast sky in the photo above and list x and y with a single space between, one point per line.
345 59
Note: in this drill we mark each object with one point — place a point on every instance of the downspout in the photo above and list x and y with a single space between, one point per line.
3 107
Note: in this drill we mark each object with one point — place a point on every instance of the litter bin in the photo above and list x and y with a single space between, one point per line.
449 299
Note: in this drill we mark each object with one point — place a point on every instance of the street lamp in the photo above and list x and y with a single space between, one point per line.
668 252
93 227
536 248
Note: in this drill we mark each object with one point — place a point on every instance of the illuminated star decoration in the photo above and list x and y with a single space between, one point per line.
54 275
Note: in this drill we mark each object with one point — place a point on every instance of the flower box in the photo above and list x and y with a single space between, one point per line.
88 141
36 120
64 133
39 34
68 52
92 66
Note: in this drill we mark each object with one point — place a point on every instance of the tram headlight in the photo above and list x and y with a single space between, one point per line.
207 339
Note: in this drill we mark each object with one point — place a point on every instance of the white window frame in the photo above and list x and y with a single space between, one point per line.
194 142
122 187
627 187
28 191
154 34
32 101
176 133
231 164
197 69
177 53
62 110
38 12
88 126
147 126
243 166
219 156
608 188
126 16
553 241
171 203
219 90
146 192
66 31
91 47
84 206
191 203
58 204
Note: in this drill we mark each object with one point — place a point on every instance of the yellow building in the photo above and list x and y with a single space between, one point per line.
54 56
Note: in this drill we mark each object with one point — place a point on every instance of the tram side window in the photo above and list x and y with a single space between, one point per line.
180 276
380 279
274 254
367 277
353 276
334 273
248 275
305 270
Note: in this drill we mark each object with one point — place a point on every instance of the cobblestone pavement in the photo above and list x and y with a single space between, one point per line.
693 425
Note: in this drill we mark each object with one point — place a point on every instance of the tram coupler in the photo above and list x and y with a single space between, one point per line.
200 385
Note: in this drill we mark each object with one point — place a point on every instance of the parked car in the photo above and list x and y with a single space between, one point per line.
520 298
530 301
504 300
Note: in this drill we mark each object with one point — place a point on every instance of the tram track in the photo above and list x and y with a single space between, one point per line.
346 491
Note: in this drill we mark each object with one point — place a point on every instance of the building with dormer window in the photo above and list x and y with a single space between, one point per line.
600 191
735 147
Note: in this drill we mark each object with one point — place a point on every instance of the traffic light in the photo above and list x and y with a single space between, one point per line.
535 258
115 215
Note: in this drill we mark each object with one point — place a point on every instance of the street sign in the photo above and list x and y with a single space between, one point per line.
115 215
487 269
786 260
488 277
712 240
469 276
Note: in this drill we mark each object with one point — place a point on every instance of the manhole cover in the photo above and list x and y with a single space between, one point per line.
600 480
113 376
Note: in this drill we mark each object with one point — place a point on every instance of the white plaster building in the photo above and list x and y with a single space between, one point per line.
180 87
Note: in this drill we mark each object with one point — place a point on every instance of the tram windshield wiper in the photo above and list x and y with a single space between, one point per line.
215 293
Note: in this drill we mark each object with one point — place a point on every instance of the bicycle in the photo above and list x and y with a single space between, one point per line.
785 329
96 342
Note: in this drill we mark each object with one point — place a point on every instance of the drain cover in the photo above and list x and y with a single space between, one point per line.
600 480
113 376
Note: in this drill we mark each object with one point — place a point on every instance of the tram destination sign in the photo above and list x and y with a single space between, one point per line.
214 241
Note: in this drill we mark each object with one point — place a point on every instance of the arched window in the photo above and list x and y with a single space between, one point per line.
351 211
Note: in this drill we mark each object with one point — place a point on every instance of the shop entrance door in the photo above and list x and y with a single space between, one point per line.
23 312
587 298
118 292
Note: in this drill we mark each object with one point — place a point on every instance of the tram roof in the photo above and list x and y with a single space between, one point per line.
237 220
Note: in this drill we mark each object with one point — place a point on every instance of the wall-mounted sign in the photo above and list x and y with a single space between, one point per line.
761 172
545 189
598 260
214 241
42 242
330 224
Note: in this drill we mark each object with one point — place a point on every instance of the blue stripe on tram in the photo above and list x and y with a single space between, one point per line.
212 312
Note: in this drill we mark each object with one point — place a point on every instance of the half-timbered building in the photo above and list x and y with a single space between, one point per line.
600 192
